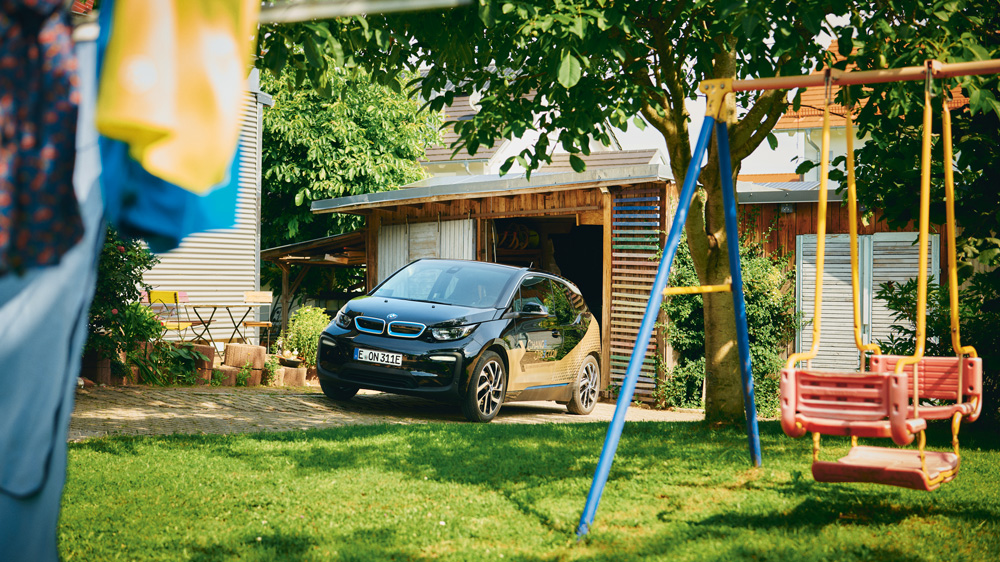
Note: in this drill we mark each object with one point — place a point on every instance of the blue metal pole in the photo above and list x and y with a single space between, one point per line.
739 304
645 331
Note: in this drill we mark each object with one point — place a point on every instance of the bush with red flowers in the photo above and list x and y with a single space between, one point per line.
112 328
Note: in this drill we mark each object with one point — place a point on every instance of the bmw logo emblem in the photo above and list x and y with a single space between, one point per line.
392 316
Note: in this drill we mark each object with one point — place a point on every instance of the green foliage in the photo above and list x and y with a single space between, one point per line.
115 326
771 321
681 386
269 376
161 362
243 375
979 316
218 377
360 138
681 491
906 33
304 329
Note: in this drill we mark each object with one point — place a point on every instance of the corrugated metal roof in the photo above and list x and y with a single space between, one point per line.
468 187
782 192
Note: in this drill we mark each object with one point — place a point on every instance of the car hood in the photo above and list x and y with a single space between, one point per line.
431 314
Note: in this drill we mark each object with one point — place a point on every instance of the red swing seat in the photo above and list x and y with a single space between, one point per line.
895 467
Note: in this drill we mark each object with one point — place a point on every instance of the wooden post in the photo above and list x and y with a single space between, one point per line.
374 224
286 296
606 290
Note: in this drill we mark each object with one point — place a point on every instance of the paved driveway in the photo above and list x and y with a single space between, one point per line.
163 411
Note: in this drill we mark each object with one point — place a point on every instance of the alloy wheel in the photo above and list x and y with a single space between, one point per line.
489 387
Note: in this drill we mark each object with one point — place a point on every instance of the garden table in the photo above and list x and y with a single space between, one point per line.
212 308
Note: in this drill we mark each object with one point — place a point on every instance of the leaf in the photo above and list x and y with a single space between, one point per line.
487 13
577 163
276 56
804 167
569 70
508 8
300 198
639 122
845 41
579 27
772 141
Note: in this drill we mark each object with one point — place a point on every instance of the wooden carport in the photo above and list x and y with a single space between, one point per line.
340 250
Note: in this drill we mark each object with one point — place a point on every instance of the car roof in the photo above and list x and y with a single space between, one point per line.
531 270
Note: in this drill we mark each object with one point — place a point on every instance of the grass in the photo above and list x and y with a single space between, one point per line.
677 491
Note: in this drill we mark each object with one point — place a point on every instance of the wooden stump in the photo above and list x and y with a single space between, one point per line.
230 373
312 373
238 355
205 367
294 376
254 377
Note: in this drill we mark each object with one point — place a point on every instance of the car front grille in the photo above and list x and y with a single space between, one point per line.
369 325
406 329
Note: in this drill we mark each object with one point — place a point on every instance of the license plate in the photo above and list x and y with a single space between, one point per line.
372 356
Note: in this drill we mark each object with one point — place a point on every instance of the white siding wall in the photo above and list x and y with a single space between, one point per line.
400 244
882 257
218 266
895 256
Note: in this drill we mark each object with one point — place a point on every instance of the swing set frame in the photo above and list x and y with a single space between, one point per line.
715 118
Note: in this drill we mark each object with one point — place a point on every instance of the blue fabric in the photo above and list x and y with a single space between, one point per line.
43 327
141 205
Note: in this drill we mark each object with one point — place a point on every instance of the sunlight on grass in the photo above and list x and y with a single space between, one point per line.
677 491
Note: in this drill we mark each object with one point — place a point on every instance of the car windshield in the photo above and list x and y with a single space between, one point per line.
459 283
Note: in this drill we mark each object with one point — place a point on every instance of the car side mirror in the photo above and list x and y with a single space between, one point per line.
533 309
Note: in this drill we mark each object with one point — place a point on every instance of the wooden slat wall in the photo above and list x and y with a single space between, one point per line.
635 240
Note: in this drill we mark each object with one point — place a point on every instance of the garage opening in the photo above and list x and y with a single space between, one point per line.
556 245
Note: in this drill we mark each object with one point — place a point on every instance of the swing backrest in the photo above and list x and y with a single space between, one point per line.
938 379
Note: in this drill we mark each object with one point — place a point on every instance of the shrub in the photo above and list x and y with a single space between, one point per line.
115 326
304 329
979 316
218 377
771 323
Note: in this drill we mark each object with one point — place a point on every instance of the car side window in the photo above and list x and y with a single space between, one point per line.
532 294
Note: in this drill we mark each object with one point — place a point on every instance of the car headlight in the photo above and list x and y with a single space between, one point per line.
342 320
452 332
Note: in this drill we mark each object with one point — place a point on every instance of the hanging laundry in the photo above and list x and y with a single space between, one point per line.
39 214
172 85
43 327
142 205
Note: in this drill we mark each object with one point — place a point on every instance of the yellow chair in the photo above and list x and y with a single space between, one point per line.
167 307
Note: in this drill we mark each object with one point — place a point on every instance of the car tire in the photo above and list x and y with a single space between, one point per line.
486 389
338 392
586 390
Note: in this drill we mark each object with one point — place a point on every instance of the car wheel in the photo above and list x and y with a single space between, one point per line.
585 395
336 391
486 389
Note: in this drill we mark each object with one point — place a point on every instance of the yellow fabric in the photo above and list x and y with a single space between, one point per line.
172 85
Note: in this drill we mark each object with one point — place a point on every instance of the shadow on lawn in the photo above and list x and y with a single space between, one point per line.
362 545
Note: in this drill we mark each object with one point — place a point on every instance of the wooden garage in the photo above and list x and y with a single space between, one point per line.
600 229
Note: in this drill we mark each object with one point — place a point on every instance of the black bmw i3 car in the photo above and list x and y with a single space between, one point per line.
472 333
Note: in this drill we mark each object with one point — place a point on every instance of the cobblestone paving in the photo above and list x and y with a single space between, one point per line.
103 411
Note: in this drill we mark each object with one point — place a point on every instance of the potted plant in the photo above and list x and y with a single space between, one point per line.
302 335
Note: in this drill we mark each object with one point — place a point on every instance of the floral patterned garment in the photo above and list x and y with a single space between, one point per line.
39 213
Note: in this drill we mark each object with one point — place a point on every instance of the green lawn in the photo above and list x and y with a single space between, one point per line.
678 491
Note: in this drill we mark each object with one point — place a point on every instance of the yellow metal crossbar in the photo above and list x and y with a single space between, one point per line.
727 288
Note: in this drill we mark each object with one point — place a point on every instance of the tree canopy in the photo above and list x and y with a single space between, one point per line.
360 138
906 33
572 70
